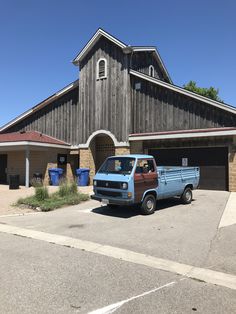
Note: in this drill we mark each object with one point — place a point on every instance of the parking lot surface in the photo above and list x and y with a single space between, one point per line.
37 277
66 280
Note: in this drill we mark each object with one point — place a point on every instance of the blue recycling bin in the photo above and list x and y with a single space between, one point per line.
82 176
55 174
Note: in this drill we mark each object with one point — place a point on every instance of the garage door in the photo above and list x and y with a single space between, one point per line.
213 163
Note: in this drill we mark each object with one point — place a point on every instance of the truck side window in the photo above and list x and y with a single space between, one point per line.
145 166
151 167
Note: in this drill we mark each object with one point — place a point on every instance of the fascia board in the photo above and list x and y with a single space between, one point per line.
182 135
93 40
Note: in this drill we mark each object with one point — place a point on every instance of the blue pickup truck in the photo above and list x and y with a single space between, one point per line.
136 179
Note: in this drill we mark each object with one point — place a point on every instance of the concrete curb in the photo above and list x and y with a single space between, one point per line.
201 274
229 216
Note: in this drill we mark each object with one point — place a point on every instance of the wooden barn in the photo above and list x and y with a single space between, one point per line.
124 101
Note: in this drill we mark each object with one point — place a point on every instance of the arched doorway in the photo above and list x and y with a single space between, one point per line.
101 146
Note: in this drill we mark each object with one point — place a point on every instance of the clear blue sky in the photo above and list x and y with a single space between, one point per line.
38 40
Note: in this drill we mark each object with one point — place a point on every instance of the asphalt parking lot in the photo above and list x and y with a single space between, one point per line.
38 276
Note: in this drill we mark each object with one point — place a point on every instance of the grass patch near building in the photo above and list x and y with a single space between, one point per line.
66 195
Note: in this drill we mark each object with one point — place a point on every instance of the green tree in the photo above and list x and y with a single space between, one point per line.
210 92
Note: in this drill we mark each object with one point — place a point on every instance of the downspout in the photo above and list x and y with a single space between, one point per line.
27 166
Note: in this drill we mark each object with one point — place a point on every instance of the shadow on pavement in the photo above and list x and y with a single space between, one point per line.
119 211
169 202
131 211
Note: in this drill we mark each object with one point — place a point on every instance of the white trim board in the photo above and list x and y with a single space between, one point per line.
102 132
100 32
183 91
181 135
29 143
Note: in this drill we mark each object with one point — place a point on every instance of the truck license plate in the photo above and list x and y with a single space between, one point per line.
105 201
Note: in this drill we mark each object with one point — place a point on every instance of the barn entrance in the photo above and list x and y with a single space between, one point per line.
102 146
213 162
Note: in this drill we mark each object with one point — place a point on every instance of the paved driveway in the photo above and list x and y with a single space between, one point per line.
182 233
186 235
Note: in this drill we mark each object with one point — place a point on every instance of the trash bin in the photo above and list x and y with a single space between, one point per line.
14 182
38 177
55 174
82 176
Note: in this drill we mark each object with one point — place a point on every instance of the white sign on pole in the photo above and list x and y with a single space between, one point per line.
184 162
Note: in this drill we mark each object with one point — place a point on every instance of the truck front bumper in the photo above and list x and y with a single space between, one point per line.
112 200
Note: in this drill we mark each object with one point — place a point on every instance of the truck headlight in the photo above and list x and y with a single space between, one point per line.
95 183
124 186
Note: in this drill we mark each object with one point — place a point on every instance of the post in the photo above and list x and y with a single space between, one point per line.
27 166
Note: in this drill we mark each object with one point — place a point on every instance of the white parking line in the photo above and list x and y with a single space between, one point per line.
202 274
113 307
229 216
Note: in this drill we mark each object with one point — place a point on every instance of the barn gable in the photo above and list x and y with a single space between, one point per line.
104 101
141 56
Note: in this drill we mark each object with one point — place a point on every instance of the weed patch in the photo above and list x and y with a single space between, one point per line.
67 195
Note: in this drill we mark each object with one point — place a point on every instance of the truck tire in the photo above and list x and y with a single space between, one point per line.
148 205
187 196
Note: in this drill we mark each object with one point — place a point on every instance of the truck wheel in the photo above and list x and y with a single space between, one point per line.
187 196
148 205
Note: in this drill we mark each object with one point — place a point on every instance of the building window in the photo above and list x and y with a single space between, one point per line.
151 70
101 68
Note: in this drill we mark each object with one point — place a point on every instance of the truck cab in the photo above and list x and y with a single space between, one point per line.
136 179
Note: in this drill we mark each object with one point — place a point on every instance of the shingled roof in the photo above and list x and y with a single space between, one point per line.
30 136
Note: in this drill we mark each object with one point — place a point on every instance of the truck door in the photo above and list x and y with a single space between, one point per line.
145 177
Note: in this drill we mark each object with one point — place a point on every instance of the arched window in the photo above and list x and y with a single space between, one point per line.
151 70
101 68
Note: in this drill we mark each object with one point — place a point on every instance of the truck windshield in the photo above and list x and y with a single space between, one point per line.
118 165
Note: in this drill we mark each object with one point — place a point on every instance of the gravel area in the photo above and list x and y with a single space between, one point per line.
10 197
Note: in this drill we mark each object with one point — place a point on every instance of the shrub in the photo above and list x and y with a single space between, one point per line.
41 193
47 202
67 188
84 197
73 188
36 183
63 189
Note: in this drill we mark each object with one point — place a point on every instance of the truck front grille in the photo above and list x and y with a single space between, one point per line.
108 184
109 193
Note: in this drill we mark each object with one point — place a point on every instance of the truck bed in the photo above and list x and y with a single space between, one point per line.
173 180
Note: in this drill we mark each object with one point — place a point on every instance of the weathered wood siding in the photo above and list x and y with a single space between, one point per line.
141 62
58 119
105 103
113 104
155 108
